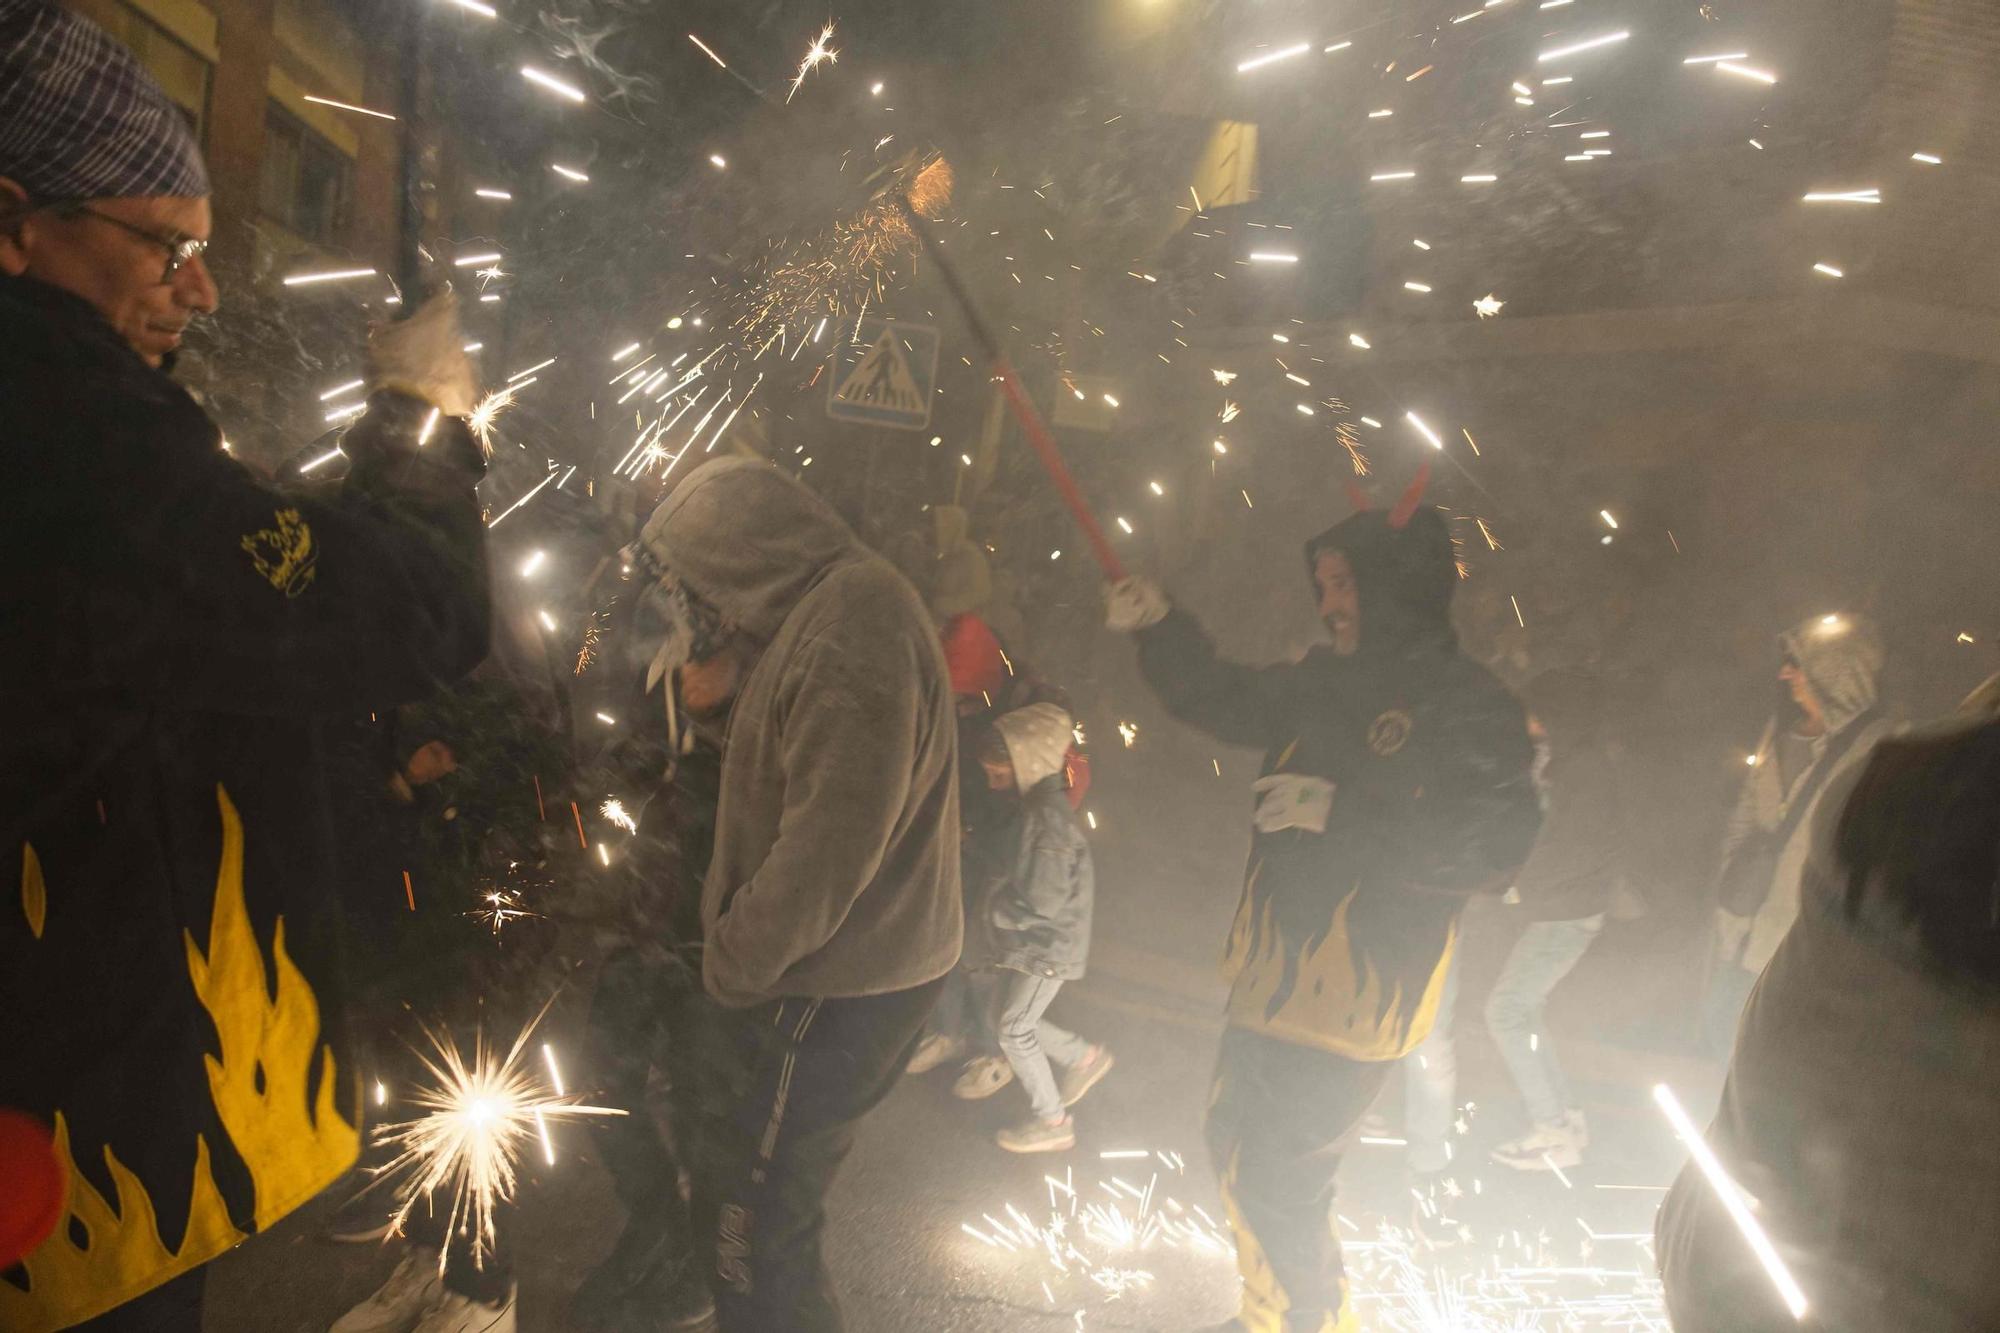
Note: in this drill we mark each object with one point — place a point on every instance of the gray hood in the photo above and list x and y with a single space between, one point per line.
1842 658
748 540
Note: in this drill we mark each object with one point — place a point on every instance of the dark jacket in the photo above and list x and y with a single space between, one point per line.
836 844
169 995
1577 859
1342 938
1865 1082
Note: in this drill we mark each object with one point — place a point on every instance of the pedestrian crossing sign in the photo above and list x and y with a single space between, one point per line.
883 373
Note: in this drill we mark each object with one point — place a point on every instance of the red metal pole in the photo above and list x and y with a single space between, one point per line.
1023 406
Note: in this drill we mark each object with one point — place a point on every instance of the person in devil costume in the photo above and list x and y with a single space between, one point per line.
1396 784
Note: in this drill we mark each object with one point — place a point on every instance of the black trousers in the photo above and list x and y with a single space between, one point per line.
1278 1121
171 1307
640 1020
782 1088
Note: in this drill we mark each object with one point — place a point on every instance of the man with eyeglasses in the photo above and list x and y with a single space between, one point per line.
174 1074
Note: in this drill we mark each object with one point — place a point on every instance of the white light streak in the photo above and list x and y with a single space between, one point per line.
1595 134
1829 270
1477 180
1415 287
1870 195
552 83
1337 46
1931 159
875 89
1558 80
1420 243
718 161
1378 115
1279 338
326 457
1746 72
1305 409
1157 489
570 173
1221 446
1358 341
351 410
340 389
469 261
548 621
607 719
523 374
1609 522
494 194
624 352
473 347
708 51
1710 60
1591 44
533 563
345 106
1371 421
819 52
1272 257
1125 525
1258 62
1393 176
1730 1195
328 275
484 11
430 424
1424 430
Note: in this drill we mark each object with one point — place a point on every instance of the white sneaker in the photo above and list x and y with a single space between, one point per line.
932 1051
400 1302
453 1313
983 1076
1547 1147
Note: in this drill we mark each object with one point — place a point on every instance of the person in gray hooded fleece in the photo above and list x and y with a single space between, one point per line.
1809 756
831 910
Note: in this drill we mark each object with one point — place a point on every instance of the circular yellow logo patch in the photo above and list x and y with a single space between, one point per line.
1388 733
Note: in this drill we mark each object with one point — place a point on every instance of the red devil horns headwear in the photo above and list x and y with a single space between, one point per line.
1406 508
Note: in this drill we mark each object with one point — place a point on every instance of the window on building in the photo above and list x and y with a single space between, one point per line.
183 74
307 182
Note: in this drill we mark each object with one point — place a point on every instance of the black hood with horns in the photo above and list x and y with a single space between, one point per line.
1406 576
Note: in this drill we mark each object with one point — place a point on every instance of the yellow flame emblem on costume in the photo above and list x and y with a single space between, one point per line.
269 1043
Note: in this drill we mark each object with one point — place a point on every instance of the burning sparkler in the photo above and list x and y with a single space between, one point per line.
468 1145
817 54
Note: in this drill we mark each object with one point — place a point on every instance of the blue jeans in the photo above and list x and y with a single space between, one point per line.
1517 1008
1030 1041
1430 1083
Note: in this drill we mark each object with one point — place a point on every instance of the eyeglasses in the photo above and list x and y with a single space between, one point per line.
179 252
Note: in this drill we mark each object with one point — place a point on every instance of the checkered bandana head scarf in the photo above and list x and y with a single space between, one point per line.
80 118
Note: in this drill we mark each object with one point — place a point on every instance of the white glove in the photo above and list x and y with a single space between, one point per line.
1292 800
1134 604
1730 932
424 356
